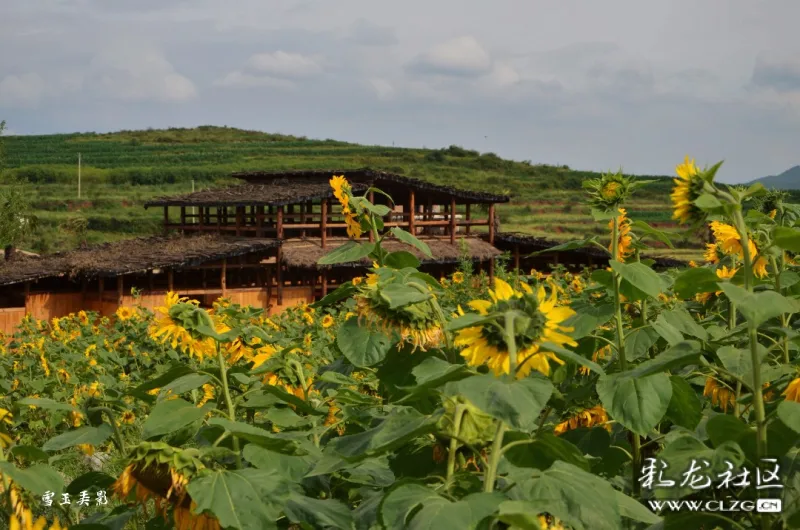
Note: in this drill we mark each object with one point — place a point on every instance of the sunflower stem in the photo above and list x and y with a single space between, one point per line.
451 455
784 318
494 459
226 393
623 362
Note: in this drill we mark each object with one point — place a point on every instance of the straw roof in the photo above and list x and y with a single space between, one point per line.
304 253
276 193
130 256
529 243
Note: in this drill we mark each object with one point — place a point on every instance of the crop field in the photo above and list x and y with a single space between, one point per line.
122 170
404 401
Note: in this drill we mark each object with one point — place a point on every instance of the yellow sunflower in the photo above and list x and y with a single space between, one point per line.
723 273
588 418
624 239
730 242
487 345
458 277
792 391
125 313
164 329
208 394
721 395
686 190
328 321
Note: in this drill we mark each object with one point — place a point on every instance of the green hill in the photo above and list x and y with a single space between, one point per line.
121 170
788 180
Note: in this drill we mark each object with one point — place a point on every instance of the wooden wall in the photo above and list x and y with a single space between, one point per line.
10 317
291 297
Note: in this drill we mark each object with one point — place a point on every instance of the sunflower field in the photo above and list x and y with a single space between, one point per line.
548 400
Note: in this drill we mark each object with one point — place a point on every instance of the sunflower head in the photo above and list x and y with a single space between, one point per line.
125 313
537 321
610 191
688 187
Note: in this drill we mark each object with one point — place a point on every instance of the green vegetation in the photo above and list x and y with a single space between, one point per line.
122 170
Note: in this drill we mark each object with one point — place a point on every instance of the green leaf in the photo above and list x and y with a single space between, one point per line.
757 308
362 346
433 373
184 384
787 238
399 503
639 276
29 453
563 491
378 209
92 479
709 203
633 509
279 442
466 514
685 407
667 330
350 251
639 404
81 435
409 239
694 281
246 499
292 468
400 295
169 416
643 228
328 513
402 425
739 361
569 355
517 403
681 354
37 479
401 259
723 428
466 321
681 320
638 342
165 378
569 245
46 403
342 292
543 450
291 399
789 414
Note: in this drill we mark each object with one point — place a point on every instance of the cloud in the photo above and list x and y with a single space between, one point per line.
135 72
284 65
780 73
23 90
462 56
240 79
365 33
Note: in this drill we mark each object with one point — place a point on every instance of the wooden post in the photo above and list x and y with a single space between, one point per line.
279 224
201 218
323 222
491 269
324 282
219 218
452 220
27 297
223 276
120 290
166 220
278 275
269 285
260 221
516 257
412 207
491 224
183 217
170 280
467 218
239 219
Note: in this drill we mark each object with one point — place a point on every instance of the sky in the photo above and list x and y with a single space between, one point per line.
594 85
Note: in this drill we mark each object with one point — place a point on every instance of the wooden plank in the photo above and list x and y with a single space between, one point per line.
452 220
278 275
166 219
223 280
170 280
491 224
468 218
279 224
323 223
412 207
239 219
324 283
260 222
27 295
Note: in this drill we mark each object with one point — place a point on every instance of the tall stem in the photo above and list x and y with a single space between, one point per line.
494 458
451 455
636 449
223 375
784 317
737 408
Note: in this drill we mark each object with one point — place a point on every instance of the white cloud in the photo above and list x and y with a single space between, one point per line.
383 89
238 79
462 56
366 33
285 65
21 90
133 72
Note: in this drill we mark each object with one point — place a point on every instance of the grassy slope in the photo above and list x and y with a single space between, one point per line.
122 170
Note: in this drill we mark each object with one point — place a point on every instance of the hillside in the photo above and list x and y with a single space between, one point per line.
122 170
788 180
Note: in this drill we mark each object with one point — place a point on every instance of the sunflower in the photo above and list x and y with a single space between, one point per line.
63 375
342 191
458 277
165 329
730 242
588 418
208 394
5 418
609 191
720 394
487 345
128 417
327 321
687 189
723 273
624 239
125 313
602 353
24 521
792 391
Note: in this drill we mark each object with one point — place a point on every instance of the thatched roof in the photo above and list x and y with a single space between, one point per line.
529 243
277 193
304 253
130 256
380 179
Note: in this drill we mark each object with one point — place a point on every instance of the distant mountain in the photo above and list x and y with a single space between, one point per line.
788 180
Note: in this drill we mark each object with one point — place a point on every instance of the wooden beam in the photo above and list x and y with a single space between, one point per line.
491 224
278 276
452 220
170 280
324 282
239 219
467 218
280 222
166 219
183 215
412 207
491 269
223 281
260 221
323 223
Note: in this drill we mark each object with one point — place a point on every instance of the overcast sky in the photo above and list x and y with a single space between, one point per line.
592 84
